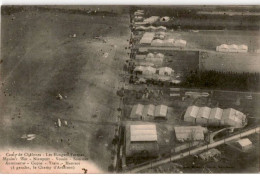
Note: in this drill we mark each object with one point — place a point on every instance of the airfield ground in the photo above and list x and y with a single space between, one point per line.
41 59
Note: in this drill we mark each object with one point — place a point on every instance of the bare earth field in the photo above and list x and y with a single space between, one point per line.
40 60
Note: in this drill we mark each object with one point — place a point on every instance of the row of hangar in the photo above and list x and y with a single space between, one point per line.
215 116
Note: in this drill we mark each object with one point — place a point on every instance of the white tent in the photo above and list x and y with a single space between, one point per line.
148 111
150 55
191 113
165 71
168 42
161 28
215 116
195 133
159 55
203 115
233 117
161 111
151 19
147 38
137 111
157 42
139 68
140 28
149 70
180 43
165 19
245 143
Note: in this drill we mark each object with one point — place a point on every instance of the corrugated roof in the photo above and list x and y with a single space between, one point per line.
143 132
160 111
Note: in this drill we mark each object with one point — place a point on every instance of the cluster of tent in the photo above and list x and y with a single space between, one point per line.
144 112
215 116
232 48
150 59
148 70
169 42
150 28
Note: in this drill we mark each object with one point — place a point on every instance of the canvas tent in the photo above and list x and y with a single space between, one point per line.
191 114
148 111
245 144
180 43
166 71
157 42
233 118
165 19
168 42
215 116
151 19
203 115
147 38
190 133
149 70
137 111
161 28
160 111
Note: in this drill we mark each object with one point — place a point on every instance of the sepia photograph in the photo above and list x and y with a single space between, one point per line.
129 89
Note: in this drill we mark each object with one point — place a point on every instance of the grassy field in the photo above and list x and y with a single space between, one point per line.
40 60
225 62
209 40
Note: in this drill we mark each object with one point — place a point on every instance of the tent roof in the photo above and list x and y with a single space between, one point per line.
148 110
189 132
165 69
146 132
159 55
244 142
160 111
137 110
216 113
204 112
192 111
139 68
150 55
232 114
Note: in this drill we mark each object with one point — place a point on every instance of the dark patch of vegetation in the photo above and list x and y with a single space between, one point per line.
222 80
